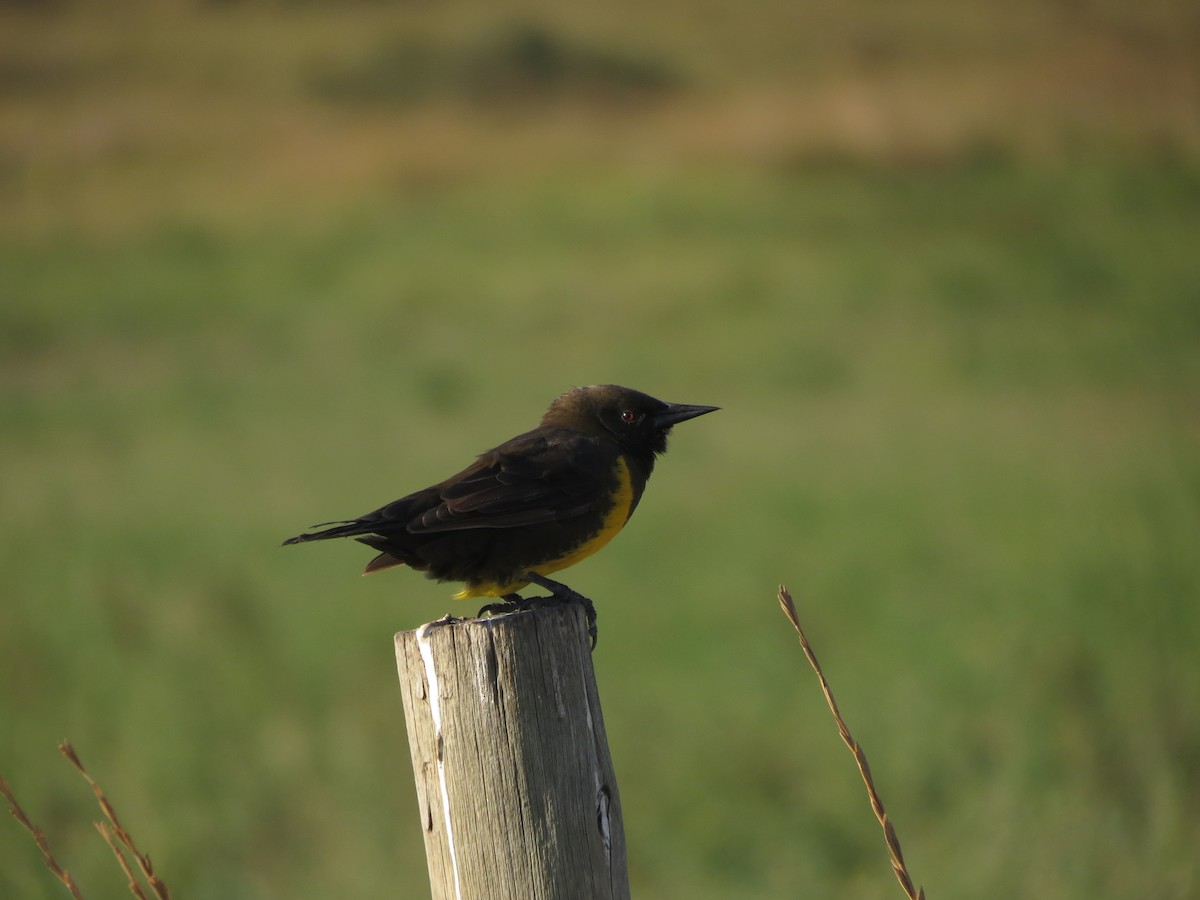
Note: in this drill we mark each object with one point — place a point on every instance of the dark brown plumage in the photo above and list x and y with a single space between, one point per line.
537 503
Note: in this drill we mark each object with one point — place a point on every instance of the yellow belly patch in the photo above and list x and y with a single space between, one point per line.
614 521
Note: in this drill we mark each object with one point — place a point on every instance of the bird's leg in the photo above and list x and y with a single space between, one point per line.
557 589
564 594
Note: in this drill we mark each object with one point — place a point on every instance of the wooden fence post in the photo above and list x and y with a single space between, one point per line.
517 795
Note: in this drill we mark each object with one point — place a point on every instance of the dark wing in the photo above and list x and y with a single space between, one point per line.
530 480
542 476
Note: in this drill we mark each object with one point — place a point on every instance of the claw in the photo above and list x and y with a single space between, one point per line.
509 603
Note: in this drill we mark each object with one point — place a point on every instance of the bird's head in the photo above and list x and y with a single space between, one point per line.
636 421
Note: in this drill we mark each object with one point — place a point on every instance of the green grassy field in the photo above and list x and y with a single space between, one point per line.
269 265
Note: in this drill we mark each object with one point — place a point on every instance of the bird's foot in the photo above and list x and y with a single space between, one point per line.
563 594
509 603
560 594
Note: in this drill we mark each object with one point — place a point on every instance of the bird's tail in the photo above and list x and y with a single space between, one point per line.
387 553
347 528
362 531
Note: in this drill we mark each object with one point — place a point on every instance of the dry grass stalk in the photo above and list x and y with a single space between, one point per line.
115 830
39 838
889 832
106 832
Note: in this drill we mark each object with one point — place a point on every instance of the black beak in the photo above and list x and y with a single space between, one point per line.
679 412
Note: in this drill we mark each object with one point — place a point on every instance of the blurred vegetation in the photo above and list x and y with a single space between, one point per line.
265 264
523 64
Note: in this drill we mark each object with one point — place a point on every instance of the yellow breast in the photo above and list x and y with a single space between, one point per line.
614 521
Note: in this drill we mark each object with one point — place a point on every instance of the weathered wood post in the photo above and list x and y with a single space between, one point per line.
517 796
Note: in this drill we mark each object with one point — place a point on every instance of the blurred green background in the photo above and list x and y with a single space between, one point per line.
264 264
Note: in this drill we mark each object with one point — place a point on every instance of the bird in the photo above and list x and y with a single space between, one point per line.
532 506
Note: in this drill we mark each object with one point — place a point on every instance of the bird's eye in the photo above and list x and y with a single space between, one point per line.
629 416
